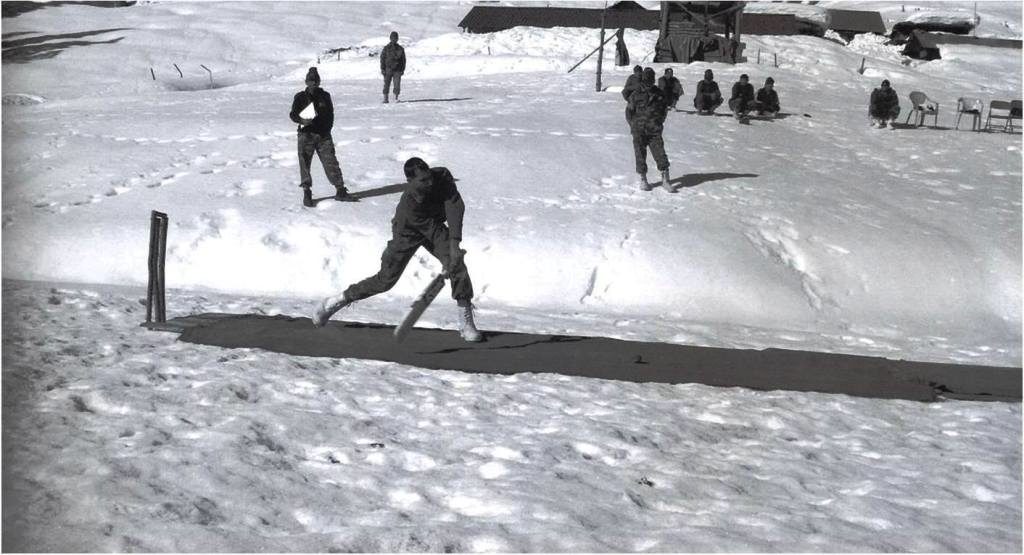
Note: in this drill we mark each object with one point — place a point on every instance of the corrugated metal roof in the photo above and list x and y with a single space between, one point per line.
856 21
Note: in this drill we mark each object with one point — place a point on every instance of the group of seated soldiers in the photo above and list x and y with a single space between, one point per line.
765 102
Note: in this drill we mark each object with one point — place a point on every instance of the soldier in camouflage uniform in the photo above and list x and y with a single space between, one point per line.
646 113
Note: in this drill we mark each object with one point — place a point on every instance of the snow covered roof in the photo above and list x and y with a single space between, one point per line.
489 19
933 40
856 21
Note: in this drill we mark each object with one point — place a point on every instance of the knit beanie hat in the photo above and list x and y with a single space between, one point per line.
313 75
648 76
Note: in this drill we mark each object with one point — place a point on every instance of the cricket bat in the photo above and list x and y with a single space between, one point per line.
420 305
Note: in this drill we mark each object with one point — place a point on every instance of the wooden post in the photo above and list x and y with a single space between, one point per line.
861 70
180 74
153 73
600 52
210 72
663 29
758 56
776 54
156 308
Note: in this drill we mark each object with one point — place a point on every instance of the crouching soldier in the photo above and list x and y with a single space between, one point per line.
708 96
646 112
742 99
430 199
767 100
672 88
884 106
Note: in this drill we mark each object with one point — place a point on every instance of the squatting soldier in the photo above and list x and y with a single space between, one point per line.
884 106
671 86
646 114
742 99
315 137
392 66
708 96
430 199
767 100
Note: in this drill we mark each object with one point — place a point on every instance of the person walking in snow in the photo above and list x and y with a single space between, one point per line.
671 86
742 99
708 95
314 136
884 106
767 99
430 200
646 113
392 66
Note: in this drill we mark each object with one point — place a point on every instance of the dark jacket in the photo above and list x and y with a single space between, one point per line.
672 88
392 58
742 92
708 87
418 217
646 110
324 120
882 102
768 99
631 85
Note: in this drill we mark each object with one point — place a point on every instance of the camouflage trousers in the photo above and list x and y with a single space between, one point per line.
643 141
396 257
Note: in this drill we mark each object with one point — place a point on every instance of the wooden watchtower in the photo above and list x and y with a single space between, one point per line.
700 31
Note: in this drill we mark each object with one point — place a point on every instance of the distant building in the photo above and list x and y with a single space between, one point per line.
926 46
902 31
853 22
623 15
687 32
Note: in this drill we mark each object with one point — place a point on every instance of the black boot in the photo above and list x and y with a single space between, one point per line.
342 195
307 198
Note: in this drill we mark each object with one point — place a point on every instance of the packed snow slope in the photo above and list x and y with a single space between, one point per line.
814 223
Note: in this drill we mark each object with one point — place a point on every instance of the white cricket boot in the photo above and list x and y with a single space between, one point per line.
467 329
666 182
327 308
644 185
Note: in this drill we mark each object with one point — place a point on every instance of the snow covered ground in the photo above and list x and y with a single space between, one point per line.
812 231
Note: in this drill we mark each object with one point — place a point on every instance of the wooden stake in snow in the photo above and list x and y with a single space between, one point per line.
156 308
600 51
861 70
180 74
153 73
210 72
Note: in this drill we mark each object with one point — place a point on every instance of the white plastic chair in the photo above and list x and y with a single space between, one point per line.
923 106
971 106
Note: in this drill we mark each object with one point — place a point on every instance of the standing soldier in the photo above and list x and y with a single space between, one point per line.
672 88
646 114
632 82
315 137
430 199
392 65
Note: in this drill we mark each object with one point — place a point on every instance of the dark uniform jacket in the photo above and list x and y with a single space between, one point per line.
647 110
672 88
743 92
708 87
324 120
768 99
392 59
418 217
631 84
883 101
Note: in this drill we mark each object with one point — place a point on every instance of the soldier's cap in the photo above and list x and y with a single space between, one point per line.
744 76
313 75
638 69
885 82
648 75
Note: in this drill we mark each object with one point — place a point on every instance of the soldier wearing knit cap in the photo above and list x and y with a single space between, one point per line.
314 136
